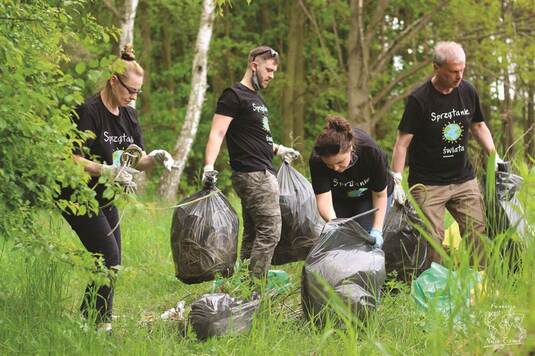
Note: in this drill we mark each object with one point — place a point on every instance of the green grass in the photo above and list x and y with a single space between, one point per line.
40 293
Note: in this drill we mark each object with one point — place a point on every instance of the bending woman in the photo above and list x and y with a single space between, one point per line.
350 176
115 127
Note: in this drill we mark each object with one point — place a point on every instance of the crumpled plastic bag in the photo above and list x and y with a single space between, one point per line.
508 211
343 259
301 222
204 237
404 247
440 288
219 314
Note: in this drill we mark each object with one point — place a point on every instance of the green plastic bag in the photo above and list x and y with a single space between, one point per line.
278 281
440 288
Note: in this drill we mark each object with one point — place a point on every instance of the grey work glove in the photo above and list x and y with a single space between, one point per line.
122 175
163 157
209 176
288 154
398 194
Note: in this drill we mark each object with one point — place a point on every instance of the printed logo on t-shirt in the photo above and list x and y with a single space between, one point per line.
265 120
452 131
356 193
449 114
259 108
117 139
265 126
452 134
350 183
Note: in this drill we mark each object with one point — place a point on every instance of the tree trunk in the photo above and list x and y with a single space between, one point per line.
507 111
299 93
358 106
169 182
127 23
293 94
127 36
145 58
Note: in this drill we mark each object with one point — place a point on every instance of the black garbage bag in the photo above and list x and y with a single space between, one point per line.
404 247
219 314
343 259
508 212
301 222
204 237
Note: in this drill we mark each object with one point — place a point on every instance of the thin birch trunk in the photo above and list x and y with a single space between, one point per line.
169 182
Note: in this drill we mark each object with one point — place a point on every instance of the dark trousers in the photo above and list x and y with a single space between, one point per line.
96 235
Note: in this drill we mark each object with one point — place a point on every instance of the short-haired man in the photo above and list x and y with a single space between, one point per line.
243 118
434 129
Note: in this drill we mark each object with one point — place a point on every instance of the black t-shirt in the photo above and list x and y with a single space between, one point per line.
249 140
440 124
114 133
369 172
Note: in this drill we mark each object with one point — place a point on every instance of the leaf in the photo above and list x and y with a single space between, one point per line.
80 67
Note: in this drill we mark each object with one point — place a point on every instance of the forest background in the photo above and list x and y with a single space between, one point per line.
354 58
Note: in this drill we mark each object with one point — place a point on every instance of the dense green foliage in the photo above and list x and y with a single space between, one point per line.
36 133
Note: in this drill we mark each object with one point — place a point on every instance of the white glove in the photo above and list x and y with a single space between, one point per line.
288 154
209 176
399 193
122 175
497 162
163 157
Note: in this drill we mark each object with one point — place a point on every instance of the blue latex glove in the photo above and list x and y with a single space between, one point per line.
378 237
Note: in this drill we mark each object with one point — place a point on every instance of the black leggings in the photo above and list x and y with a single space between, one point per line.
96 235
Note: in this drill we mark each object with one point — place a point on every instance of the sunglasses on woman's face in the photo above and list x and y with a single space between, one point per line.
131 91
272 53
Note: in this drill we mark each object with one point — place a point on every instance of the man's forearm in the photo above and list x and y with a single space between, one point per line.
212 149
484 138
398 158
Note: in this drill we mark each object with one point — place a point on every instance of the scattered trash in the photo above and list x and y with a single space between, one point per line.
404 247
301 222
443 289
278 282
204 237
176 313
452 236
219 314
345 260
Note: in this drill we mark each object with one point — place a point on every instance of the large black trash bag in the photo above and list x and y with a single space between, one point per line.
508 211
204 237
301 222
219 314
404 247
344 259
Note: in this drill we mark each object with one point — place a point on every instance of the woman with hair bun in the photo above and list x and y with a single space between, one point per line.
115 127
350 176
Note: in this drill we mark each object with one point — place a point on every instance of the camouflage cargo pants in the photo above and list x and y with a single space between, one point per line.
259 194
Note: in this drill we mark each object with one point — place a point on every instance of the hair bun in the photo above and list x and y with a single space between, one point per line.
338 124
127 52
